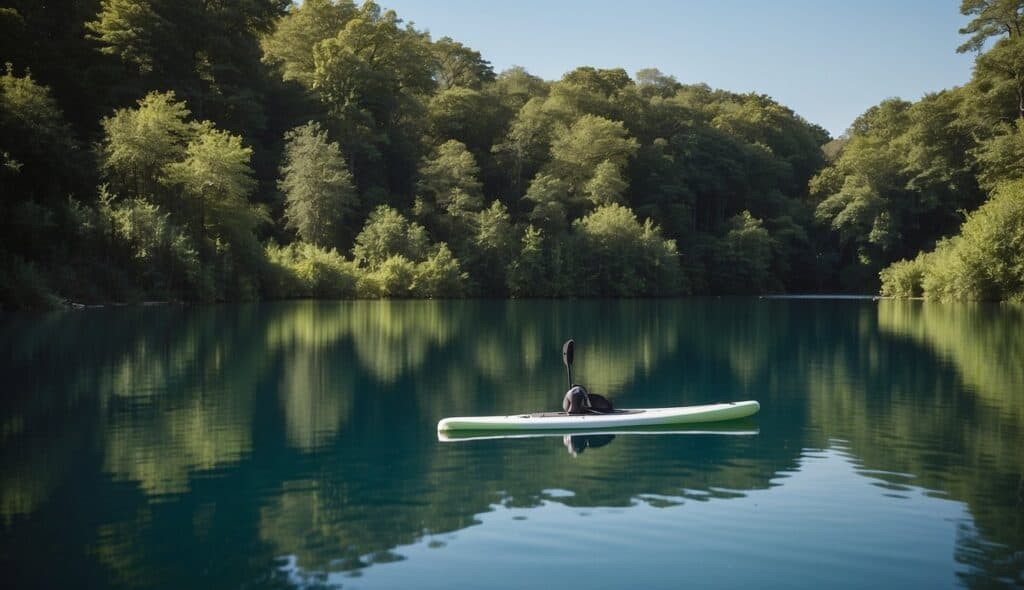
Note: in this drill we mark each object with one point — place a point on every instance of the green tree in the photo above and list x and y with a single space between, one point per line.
132 31
393 277
290 45
493 249
654 83
207 52
139 143
1000 73
601 81
551 202
537 269
1001 158
606 186
386 234
373 77
991 18
618 255
449 179
304 270
36 143
216 181
458 65
41 164
439 275
792 142
162 257
864 195
984 262
526 145
472 117
317 185
743 259
515 86
578 150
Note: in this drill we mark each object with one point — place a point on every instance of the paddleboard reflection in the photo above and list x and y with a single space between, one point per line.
577 442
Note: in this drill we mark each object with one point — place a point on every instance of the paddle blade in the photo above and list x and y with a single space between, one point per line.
567 351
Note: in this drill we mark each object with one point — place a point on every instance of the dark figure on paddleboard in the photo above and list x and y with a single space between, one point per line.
578 400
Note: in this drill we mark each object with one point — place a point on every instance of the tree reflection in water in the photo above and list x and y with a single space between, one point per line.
240 434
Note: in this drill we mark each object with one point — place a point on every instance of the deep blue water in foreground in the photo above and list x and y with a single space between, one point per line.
283 445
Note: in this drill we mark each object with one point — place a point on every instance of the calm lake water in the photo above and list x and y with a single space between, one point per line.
293 445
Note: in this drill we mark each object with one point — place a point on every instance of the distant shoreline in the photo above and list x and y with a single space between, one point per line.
824 296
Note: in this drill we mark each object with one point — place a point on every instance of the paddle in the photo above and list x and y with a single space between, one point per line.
567 350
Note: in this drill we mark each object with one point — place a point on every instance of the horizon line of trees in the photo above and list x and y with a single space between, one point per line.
185 149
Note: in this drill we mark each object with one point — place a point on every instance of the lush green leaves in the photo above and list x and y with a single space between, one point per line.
140 143
458 65
577 150
984 262
317 185
291 44
598 183
388 233
618 255
991 18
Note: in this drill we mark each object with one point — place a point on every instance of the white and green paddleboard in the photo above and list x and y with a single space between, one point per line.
612 420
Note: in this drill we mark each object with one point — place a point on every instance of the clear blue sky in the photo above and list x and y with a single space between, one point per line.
828 60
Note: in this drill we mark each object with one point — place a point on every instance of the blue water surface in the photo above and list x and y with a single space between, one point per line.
294 445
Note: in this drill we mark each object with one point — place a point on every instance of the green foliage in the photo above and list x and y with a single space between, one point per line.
439 275
290 45
653 83
187 103
984 262
1001 158
550 196
743 257
388 234
32 123
216 176
39 157
458 65
617 255
526 144
305 270
999 73
992 246
317 185
494 247
393 277
206 52
991 18
139 143
129 29
538 269
897 184
606 186
163 255
473 117
904 278
578 150
759 120
371 76
449 179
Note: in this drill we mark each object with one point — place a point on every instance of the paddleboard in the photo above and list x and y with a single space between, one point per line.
743 429
616 419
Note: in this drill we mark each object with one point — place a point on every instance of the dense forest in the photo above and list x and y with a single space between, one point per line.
240 149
